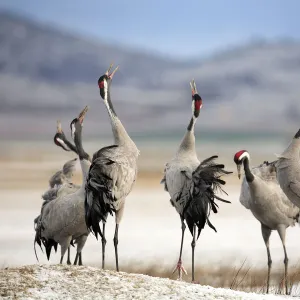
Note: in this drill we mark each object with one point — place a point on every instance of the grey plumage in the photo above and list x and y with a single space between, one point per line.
112 174
60 183
62 219
288 170
261 193
53 193
56 191
61 179
193 185
65 175
59 191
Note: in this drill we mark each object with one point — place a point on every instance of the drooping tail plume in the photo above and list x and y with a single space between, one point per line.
206 183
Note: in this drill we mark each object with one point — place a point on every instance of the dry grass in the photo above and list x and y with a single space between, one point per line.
16 281
239 277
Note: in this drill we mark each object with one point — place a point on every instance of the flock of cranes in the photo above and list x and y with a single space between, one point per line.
70 212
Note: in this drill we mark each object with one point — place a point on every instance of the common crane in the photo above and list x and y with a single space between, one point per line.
192 185
112 173
62 219
261 193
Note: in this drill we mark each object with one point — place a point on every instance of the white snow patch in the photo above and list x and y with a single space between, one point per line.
74 282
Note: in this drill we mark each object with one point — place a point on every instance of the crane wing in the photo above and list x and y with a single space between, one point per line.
265 172
283 204
206 182
193 192
69 167
110 179
164 181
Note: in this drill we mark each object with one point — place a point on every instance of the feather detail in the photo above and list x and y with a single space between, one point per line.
206 182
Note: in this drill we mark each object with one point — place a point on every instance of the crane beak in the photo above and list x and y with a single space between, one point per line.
108 70
59 129
82 114
193 87
110 76
113 73
239 171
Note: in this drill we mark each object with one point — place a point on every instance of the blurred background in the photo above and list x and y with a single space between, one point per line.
245 58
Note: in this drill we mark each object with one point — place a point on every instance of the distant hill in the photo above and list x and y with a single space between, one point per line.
47 74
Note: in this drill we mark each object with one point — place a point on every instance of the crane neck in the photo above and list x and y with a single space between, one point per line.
248 174
71 146
120 134
83 156
188 141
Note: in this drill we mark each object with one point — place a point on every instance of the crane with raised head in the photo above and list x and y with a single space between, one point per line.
60 182
193 185
112 173
63 219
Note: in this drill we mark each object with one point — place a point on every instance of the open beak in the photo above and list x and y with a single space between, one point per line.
193 87
113 72
82 114
59 129
239 171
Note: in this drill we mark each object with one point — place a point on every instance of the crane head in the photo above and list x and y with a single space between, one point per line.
239 158
196 99
105 80
77 123
60 138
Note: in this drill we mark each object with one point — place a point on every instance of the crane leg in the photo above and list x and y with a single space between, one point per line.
193 253
281 231
80 244
76 259
266 232
103 240
116 241
179 265
64 247
68 259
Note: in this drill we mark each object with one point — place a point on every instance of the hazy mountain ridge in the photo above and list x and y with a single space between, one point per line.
48 74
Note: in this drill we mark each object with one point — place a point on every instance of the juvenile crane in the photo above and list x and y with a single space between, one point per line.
112 173
62 219
288 170
261 193
192 185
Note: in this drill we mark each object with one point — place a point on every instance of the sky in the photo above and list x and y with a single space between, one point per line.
176 28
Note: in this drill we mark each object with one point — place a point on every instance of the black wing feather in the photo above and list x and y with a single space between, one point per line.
97 188
206 182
